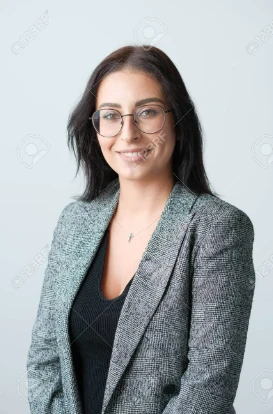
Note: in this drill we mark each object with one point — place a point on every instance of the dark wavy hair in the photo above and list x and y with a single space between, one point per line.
188 166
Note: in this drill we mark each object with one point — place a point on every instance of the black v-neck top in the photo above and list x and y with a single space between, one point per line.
92 324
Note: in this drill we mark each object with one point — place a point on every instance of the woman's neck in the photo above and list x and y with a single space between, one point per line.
142 202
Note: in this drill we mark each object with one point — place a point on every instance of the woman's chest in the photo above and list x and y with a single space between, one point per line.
121 261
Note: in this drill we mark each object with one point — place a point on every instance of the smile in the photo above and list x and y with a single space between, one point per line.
133 156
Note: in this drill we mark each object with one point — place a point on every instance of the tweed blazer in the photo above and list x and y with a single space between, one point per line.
181 336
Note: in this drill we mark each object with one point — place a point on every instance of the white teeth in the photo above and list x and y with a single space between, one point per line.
133 154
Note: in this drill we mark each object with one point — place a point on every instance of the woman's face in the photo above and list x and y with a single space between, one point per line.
123 89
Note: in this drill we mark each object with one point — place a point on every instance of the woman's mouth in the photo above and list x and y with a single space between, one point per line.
134 156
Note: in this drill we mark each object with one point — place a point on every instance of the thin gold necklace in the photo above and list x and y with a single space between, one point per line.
131 235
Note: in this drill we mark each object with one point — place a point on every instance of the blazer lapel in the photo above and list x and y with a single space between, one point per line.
149 283
81 243
147 287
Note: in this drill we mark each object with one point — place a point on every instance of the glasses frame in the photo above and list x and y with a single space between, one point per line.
122 122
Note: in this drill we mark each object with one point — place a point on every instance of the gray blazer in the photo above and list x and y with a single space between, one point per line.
181 335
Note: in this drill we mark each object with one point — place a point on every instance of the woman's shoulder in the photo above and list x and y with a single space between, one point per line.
212 205
74 214
215 215
70 217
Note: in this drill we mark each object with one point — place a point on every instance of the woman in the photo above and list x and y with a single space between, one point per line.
148 290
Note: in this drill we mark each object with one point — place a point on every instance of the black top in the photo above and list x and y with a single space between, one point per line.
92 324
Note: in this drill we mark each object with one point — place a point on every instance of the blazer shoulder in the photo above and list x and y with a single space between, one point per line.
71 208
70 216
213 212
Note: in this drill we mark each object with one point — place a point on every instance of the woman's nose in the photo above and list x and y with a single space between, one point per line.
129 129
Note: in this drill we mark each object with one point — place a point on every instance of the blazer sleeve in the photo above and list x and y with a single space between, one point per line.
223 284
45 392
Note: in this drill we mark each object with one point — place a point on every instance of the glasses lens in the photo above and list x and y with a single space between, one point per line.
150 118
107 122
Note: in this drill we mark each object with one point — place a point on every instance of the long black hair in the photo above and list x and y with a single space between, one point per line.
188 166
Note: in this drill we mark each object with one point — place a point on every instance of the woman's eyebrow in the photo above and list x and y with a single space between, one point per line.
138 103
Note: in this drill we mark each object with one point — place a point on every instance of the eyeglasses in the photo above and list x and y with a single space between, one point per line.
148 119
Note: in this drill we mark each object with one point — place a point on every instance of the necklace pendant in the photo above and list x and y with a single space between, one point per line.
130 236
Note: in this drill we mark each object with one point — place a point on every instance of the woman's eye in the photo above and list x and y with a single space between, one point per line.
147 112
110 116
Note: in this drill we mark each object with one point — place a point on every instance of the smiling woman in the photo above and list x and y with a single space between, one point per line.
124 82
124 133
149 284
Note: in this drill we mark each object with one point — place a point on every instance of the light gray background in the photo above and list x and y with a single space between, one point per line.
230 80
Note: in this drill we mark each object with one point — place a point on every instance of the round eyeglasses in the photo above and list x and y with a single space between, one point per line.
148 119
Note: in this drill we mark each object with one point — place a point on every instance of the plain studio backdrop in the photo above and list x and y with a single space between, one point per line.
223 50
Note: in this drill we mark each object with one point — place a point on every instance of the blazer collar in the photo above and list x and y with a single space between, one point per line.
149 282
